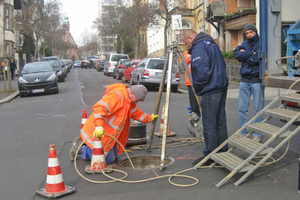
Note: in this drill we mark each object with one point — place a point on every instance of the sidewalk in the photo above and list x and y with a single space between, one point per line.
6 97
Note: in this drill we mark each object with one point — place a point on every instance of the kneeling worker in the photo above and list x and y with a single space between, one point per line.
111 115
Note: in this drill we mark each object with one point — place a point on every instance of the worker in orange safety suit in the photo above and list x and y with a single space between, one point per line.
112 115
193 101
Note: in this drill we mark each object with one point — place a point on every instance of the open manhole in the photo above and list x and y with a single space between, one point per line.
145 162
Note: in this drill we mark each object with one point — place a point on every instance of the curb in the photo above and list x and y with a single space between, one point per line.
10 97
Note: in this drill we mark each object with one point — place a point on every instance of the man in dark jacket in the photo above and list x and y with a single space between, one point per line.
250 84
13 67
210 81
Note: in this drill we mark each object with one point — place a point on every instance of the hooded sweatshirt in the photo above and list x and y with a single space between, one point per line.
249 59
207 66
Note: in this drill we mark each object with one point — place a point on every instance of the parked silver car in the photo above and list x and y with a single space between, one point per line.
149 73
111 61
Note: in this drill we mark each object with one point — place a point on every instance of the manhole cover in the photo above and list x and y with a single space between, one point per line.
144 162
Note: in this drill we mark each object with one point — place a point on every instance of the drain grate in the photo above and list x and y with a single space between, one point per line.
144 162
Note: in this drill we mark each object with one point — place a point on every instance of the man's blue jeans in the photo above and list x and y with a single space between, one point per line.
214 121
258 94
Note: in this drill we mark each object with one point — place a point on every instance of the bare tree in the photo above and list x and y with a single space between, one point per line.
141 16
113 23
164 11
35 18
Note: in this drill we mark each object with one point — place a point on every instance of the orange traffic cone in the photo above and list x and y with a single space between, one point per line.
55 186
98 162
161 128
84 118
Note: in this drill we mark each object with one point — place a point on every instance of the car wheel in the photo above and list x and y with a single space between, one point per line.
138 81
174 89
114 76
131 82
119 76
22 95
106 73
123 79
57 91
63 79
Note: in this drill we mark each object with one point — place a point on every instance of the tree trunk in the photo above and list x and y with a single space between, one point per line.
137 44
165 40
44 51
36 49
122 45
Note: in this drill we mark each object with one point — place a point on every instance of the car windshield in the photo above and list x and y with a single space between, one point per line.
156 64
54 63
77 61
126 62
118 57
36 68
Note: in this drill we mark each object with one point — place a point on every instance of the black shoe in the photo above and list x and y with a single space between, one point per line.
207 163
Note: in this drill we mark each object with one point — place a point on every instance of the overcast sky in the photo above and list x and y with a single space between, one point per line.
81 16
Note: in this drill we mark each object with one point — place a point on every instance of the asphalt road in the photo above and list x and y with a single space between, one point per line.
29 125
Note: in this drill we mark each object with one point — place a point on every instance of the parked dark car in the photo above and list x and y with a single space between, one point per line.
69 64
127 71
85 64
93 63
77 63
58 66
100 66
118 71
37 77
64 67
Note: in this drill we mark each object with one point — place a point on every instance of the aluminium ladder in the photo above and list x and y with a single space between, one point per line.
237 164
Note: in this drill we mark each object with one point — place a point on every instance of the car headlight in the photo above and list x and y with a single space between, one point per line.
22 80
59 72
52 77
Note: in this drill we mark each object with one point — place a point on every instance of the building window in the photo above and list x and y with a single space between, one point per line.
185 25
6 23
143 38
7 48
8 18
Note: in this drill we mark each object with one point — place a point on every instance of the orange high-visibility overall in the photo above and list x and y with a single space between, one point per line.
188 61
113 112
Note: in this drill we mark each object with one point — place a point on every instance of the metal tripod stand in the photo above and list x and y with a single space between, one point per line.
172 51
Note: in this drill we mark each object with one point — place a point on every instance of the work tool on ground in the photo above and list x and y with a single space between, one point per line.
173 53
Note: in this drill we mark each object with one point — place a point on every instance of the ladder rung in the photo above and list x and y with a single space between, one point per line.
263 128
294 97
230 161
281 113
248 145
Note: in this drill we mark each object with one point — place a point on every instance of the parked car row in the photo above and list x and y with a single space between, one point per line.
146 71
43 76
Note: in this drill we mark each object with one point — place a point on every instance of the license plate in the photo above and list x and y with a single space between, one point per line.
158 73
293 108
38 90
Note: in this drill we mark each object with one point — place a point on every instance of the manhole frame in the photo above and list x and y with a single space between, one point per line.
120 160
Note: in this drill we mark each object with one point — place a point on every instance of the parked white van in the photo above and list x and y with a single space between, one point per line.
111 61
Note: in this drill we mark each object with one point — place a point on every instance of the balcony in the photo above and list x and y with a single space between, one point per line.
239 19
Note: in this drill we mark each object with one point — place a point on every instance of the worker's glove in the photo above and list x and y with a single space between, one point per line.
98 132
153 117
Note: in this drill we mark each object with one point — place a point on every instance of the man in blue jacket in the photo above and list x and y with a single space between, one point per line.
210 81
250 84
